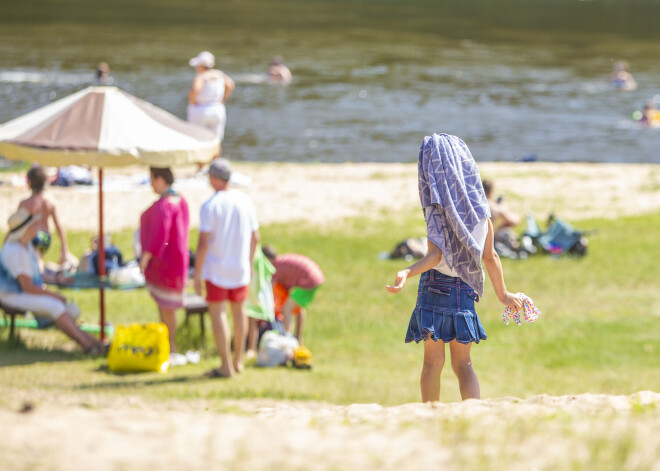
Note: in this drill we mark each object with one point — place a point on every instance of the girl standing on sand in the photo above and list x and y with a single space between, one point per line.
460 236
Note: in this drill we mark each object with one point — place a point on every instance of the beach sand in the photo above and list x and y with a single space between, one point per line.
587 431
109 432
323 194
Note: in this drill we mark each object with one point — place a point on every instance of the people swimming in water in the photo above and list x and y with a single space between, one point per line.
649 116
621 79
278 72
103 74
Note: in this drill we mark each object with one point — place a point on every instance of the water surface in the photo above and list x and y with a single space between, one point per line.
371 78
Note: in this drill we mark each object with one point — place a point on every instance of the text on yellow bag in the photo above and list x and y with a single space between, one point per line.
140 347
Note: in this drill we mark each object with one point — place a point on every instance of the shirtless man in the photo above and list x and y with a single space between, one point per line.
278 72
39 203
503 218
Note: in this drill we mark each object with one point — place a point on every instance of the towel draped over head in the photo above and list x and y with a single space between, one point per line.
454 202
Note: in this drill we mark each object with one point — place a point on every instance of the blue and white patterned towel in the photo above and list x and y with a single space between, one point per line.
454 202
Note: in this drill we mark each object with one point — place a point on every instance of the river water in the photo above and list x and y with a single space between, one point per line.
514 79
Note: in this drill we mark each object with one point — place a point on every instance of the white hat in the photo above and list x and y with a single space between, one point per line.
19 223
204 58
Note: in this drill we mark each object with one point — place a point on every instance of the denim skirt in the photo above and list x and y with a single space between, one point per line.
445 311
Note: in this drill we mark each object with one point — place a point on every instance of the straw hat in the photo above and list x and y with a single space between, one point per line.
19 223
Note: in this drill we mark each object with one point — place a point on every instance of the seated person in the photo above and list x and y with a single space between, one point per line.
504 220
21 282
295 283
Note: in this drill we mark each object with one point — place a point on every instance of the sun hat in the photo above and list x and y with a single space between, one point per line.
19 223
220 168
204 58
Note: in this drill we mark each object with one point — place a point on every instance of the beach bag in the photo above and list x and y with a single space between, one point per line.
128 276
561 238
276 349
140 347
113 259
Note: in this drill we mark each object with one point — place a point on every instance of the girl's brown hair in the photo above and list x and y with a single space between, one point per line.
163 172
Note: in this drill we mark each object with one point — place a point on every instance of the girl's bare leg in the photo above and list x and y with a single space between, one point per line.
253 335
434 360
461 363
168 317
287 313
300 323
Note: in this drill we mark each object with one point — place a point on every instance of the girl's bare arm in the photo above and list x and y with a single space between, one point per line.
64 248
430 260
494 268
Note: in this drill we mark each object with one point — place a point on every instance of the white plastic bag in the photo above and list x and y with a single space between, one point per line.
275 349
128 275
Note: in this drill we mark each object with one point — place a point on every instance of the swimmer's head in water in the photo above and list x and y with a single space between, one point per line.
620 66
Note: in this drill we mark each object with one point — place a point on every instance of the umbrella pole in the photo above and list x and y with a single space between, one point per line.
101 258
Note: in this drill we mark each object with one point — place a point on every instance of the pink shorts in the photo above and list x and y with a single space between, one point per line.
216 294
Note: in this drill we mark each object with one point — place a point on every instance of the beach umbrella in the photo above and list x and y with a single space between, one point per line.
105 127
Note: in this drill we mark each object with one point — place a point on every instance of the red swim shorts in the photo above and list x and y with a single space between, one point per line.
216 294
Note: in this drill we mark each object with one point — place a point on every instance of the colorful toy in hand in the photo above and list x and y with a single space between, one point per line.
530 311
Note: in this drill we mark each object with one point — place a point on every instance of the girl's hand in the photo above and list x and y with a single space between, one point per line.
511 301
400 281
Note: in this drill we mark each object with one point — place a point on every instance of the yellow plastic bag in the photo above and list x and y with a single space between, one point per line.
140 347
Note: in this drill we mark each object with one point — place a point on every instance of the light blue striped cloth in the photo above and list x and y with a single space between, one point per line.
454 202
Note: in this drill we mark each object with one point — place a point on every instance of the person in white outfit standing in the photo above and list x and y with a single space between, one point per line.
209 91
228 238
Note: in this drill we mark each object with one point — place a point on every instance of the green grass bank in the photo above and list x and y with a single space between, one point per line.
598 331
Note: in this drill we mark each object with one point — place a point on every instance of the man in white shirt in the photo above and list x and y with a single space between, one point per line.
228 237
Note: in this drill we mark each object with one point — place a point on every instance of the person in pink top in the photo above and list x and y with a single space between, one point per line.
295 282
165 250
